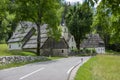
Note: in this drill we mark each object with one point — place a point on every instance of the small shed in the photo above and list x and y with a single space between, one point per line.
56 48
94 41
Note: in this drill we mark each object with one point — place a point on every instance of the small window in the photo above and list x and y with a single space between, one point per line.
62 51
72 39
98 49
9 46
19 45
72 47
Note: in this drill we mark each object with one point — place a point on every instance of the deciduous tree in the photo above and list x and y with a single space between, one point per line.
78 20
40 12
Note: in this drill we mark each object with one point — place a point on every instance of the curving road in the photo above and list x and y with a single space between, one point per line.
49 70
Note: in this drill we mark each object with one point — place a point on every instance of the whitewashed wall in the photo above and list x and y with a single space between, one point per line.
72 43
15 46
65 32
100 50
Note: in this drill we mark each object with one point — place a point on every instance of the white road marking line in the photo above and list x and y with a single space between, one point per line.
32 73
70 70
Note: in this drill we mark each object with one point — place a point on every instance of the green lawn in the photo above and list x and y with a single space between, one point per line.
5 52
101 67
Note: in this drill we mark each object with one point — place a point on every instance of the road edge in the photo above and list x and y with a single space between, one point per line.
74 70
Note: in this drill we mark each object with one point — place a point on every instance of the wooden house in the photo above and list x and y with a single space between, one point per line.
25 38
93 41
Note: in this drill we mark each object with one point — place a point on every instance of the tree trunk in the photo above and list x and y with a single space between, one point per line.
78 46
38 40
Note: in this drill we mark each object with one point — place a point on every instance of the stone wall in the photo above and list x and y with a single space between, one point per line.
54 52
17 59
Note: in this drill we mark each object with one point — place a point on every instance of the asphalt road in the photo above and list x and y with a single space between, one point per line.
49 70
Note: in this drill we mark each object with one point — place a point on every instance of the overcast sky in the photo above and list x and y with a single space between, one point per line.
72 1
75 1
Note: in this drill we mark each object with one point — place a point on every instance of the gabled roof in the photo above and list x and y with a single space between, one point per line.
92 41
32 42
21 31
52 43
24 28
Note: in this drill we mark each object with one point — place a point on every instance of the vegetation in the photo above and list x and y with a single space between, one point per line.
100 67
102 23
54 58
76 18
106 23
37 11
111 52
5 52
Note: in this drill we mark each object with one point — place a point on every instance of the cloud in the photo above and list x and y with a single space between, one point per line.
72 1
81 1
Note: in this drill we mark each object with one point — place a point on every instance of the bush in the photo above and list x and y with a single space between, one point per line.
87 52
74 52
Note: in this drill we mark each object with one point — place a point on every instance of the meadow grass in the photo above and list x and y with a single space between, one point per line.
100 67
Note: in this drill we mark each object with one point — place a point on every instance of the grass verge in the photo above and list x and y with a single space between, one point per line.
111 52
54 58
101 67
5 52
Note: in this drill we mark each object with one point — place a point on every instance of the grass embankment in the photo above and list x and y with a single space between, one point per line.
5 52
111 52
101 67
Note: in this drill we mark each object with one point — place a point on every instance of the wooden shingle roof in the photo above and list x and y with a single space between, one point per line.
32 42
52 43
21 31
24 28
92 41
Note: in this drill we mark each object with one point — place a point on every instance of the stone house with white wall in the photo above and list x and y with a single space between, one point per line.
94 41
25 38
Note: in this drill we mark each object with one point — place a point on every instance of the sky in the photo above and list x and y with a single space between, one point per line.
75 1
72 1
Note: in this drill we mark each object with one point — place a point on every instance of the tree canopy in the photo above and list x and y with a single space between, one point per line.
6 19
40 12
37 11
78 20
106 20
